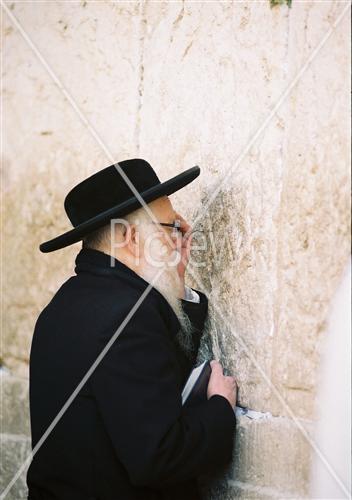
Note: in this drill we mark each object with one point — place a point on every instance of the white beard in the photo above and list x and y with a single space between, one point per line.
169 285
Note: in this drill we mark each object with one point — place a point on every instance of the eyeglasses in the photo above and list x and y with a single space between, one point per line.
176 226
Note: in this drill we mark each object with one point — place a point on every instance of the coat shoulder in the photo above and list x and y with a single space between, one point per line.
99 304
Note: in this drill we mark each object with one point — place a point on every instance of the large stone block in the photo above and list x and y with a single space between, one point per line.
272 456
14 414
93 51
231 490
183 84
15 451
278 205
274 453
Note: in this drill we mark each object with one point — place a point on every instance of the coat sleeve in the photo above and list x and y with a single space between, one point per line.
197 313
137 387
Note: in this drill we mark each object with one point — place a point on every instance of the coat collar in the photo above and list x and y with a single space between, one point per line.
99 263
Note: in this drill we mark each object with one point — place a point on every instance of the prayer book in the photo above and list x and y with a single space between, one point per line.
196 386
195 389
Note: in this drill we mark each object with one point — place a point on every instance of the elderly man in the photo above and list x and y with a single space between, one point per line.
125 435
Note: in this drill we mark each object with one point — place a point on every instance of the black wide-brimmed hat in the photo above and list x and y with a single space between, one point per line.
107 194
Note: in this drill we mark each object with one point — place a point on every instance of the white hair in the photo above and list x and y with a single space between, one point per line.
168 283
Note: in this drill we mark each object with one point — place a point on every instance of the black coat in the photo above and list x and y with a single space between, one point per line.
126 435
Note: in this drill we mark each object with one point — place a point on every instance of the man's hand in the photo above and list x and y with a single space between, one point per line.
221 384
185 247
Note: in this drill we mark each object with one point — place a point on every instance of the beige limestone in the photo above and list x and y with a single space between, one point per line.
183 84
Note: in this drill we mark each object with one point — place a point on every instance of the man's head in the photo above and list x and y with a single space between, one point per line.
147 248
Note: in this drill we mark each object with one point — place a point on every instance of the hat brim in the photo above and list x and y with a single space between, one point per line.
163 189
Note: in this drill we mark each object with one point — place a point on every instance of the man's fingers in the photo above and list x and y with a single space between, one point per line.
216 366
231 379
185 227
188 243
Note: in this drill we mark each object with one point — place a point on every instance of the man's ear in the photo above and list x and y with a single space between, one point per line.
132 239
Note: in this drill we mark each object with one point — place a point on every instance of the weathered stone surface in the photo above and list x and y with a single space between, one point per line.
15 450
183 84
313 220
14 412
245 491
272 455
282 212
94 53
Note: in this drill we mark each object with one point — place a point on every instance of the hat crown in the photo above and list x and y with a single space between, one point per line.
107 188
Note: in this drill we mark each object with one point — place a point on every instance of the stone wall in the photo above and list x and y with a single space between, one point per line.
258 97
333 403
15 433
